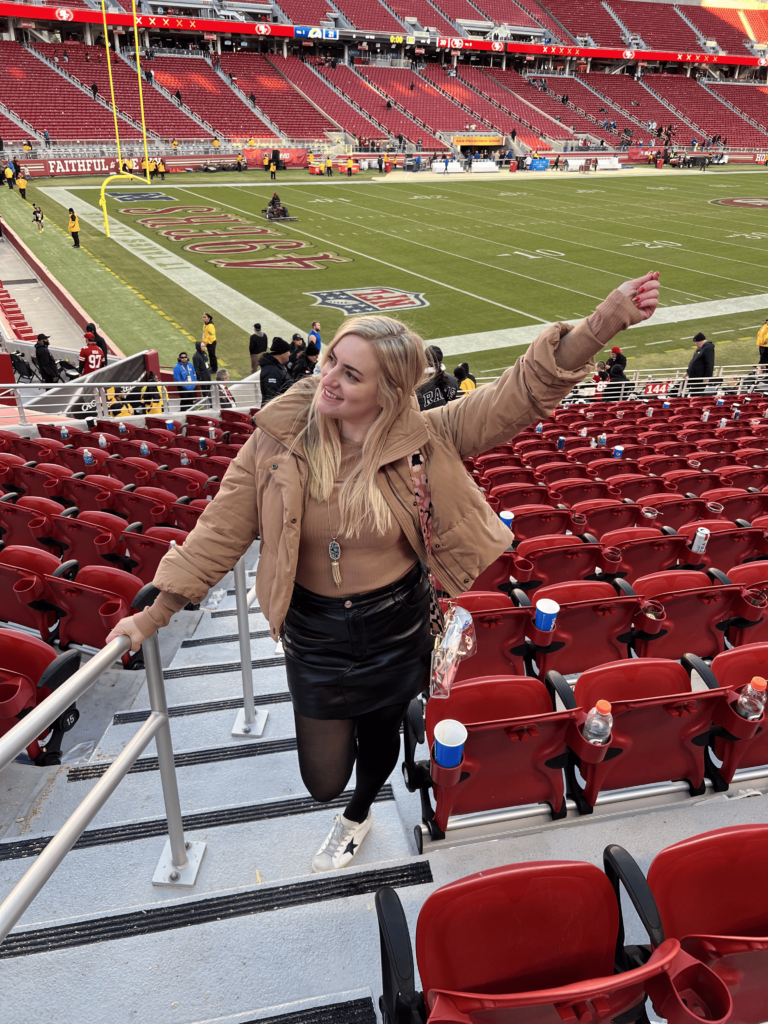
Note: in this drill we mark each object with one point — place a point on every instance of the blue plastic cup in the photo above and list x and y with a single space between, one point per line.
450 737
546 614
507 518
560 443
618 451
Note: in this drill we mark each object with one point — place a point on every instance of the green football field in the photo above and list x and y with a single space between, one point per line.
474 264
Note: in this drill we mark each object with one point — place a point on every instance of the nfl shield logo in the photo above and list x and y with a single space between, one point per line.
354 301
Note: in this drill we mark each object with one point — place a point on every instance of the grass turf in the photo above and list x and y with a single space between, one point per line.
486 255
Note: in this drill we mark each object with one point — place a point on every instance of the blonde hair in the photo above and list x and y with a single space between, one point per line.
401 364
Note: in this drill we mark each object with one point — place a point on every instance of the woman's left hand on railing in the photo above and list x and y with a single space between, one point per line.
127 627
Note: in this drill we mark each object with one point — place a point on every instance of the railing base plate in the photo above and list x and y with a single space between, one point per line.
183 878
250 732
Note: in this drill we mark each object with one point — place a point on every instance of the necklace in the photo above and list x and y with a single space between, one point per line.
334 549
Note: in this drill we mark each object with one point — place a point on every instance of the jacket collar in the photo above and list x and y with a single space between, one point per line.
407 435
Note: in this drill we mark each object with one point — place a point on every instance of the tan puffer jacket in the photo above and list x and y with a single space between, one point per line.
264 490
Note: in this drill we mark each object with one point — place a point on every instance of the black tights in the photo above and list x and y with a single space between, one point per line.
328 749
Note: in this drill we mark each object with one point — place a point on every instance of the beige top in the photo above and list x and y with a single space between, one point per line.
368 561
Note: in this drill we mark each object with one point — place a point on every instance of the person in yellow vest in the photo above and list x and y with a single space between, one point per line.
152 168
21 181
209 337
465 383
154 396
175 144
386 163
143 166
251 143
161 168
27 146
329 168
762 341
117 402
216 143
272 170
74 228
239 161
8 178
265 162
349 166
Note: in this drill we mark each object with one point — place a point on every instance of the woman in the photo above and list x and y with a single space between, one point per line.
329 481
438 388
209 337
202 367
306 363
153 396
74 228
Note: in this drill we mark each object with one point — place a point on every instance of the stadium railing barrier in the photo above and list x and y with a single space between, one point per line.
250 721
180 861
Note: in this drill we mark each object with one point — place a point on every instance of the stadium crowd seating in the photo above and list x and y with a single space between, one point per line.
705 111
628 95
283 105
88 65
369 15
428 16
422 102
659 30
722 24
515 93
313 86
505 12
479 107
204 92
583 99
306 12
456 10
369 99
752 101
48 101
556 32
587 18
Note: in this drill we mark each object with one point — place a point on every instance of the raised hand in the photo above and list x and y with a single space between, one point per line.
644 293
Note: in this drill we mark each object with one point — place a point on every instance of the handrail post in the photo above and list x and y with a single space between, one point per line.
20 406
180 860
249 723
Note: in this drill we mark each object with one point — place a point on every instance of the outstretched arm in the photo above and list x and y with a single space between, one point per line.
556 361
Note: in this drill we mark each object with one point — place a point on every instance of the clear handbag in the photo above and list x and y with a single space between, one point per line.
456 642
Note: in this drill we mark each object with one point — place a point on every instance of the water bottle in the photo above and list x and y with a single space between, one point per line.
649 413
184 458
121 428
64 433
602 440
169 425
700 541
583 432
592 443
144 448
202 444
88 458
539 428
735 412
507 518
723 422
172 544
705 416
751 699
599 723
102 441
212 432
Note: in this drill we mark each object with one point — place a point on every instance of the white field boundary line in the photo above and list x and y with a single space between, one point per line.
637 256
205 288
374 259
461 343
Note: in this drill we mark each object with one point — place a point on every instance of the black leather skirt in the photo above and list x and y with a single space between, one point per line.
347 656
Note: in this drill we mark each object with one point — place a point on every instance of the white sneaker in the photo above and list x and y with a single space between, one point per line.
341 844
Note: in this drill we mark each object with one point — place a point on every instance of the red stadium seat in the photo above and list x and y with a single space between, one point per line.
606 469
150 506
675 511
690 481
42 481
606 514
83 460
492 947
186 515
93 538
500 633
660 726
30 672
700 889
185 482
728 544
645 550
23 587
508 497
37 449
90 493
146 549
593 626
132 470
497 476
640 488
737 503
8 465
92 603
119 428
28 521
559 559
737 742
126 448
552 472
743 476
694 613
539 520
181 458
571 492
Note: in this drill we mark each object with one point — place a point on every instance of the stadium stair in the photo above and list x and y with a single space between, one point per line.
233 85
587 19
428 15
473 102
657 33
588 103
724 27
540 14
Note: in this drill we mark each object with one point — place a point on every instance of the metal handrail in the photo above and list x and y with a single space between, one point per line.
250 721
180 861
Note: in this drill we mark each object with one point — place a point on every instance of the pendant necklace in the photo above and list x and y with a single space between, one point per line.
334 550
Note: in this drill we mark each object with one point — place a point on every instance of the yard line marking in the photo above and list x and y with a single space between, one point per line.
643 256
384 263
232 305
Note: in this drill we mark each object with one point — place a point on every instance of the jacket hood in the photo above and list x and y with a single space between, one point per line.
198 346
407 435
268 359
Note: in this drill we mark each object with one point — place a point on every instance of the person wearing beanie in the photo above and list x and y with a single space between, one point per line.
616 358
274 371
306 363
298 347
98 338
702 365
257 346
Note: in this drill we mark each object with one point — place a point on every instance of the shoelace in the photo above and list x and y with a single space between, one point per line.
339 837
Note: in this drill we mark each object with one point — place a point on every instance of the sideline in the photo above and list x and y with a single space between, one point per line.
232 305
460 343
